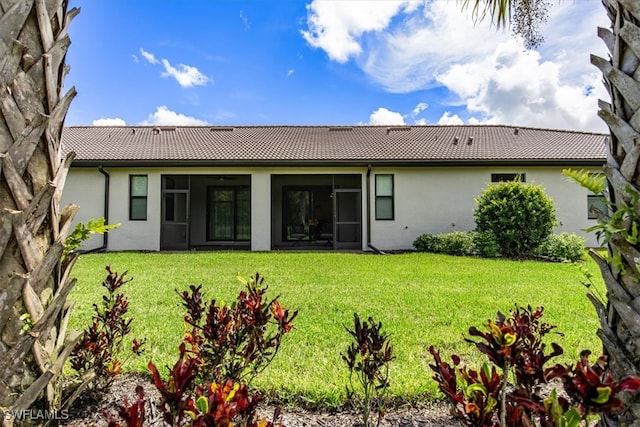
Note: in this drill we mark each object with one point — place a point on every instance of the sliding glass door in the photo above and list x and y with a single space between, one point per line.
307 213
228 213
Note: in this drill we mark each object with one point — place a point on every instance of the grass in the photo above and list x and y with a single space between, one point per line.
421 299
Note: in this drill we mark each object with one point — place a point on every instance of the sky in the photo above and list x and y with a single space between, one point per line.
329 62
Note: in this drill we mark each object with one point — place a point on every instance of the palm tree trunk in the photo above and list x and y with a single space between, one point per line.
620 316
34 282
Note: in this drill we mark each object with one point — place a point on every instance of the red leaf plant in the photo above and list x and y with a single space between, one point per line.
132 415
175 391
226 405
235 342
474 394
594 391
515 344
100 348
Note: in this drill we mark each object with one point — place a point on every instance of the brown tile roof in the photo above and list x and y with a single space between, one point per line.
327 144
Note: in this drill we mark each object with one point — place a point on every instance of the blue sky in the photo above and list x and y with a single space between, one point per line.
328 62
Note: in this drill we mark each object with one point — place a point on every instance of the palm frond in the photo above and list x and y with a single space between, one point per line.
594 182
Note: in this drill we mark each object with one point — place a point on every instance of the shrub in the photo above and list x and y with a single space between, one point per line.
562 247
214 404
458 243
454 243
461 243
97 356
507 390
486 244
428 243
235 342
368 358
224 348
520 215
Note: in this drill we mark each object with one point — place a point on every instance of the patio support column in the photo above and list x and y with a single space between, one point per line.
260 211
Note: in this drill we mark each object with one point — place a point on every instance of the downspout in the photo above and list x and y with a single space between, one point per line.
369 244
105 235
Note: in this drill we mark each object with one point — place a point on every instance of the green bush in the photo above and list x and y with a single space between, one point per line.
486 244
431 243
562 247
454 243
520 215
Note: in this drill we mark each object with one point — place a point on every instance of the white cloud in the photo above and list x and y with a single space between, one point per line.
513 86
409 45
382 116
185 75
165 117
419 108
245 20
335 26
448 119
116 121
149 56
290 72
405 58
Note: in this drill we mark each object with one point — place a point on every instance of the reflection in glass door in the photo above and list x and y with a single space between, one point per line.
297 212
307 214
348 219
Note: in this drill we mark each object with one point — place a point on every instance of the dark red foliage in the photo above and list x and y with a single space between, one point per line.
223 345
224 404
192 301
515 343
370 350
473 393
133 416
235 342
517 340
368 358
175 391
596 391
100 346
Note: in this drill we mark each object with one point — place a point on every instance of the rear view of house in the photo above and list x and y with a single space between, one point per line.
311 187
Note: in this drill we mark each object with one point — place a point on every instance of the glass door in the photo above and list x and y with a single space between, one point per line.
307 214
347 226
229 213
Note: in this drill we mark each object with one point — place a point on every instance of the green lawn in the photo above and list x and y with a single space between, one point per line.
421 299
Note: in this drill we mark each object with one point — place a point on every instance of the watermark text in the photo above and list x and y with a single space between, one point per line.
34 415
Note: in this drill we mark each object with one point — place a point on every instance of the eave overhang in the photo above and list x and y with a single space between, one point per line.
337 163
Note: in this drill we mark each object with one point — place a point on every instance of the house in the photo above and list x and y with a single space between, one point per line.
320 187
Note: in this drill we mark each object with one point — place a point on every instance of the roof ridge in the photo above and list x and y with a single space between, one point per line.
356 126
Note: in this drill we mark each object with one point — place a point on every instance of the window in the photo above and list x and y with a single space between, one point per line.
595 202
138 197
384 197
503 177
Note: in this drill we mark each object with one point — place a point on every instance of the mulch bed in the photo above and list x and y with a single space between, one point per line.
86 411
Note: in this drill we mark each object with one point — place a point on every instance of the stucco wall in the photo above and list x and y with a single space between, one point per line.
85 187
427 200
440 200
